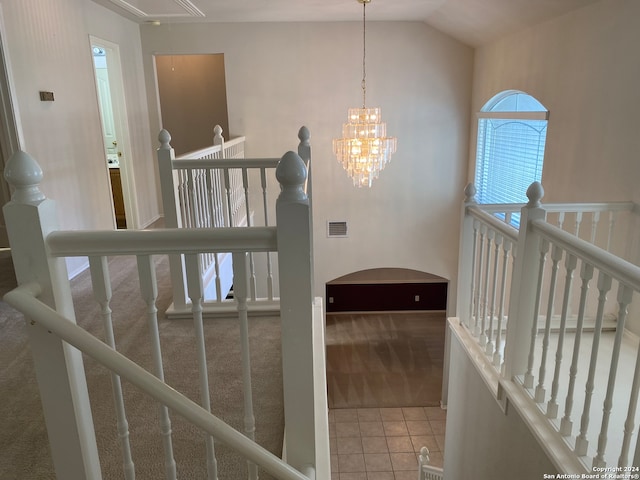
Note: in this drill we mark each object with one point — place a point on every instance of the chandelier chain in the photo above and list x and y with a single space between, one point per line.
364 54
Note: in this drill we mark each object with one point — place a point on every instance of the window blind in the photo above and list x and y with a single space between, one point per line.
510 155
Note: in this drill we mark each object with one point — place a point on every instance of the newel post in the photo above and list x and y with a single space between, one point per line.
30 217
218 139
295 264
171 209
526 269
466 258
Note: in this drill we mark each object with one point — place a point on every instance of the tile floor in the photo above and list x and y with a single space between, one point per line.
383 443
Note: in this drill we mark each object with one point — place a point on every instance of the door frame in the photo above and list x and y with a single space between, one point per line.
11 137
119 107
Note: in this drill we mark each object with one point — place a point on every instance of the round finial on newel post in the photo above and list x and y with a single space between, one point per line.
217 131
164 137
470 193
535 192
303 135
291 173
24 174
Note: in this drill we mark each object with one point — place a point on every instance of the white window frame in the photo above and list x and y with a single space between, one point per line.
487 113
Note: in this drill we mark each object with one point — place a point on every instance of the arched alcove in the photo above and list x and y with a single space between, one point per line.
386 289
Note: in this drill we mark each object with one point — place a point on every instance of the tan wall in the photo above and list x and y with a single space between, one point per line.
193 99
282 76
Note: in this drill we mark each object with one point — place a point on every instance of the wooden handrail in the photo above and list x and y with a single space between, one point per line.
162 241
616 267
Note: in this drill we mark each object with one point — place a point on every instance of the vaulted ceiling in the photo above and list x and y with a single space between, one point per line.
474 22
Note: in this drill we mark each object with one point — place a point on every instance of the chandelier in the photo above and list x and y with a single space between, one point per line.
364 149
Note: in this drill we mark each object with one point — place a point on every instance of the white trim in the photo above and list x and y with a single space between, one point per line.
116 85
515 115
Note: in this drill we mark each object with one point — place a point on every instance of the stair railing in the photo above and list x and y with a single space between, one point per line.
518 300
39 250
217 187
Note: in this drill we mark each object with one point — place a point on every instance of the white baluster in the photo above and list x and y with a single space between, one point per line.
473 304
227 187
595 219
247 207
561 220
586 274
556 256
624 299
240 293
492 309
193 216
487 270
263 183
623 461
612 224
216 265
578 223
149 293
195 292
604 285
497 355
102 293
478 306
552 404
528 376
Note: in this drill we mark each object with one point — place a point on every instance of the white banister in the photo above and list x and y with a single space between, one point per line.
426 471
23 299
30 217
296 279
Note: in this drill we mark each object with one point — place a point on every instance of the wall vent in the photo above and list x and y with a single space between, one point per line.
336 229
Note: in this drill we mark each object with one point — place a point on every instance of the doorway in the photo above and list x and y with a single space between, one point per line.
112 106
192 97
385 339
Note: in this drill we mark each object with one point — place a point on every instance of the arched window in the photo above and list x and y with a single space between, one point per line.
512 131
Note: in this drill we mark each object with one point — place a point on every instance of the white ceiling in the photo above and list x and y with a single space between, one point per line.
474 22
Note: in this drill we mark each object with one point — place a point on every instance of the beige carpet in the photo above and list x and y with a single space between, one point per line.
24 451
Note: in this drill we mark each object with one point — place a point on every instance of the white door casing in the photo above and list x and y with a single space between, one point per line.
119 127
